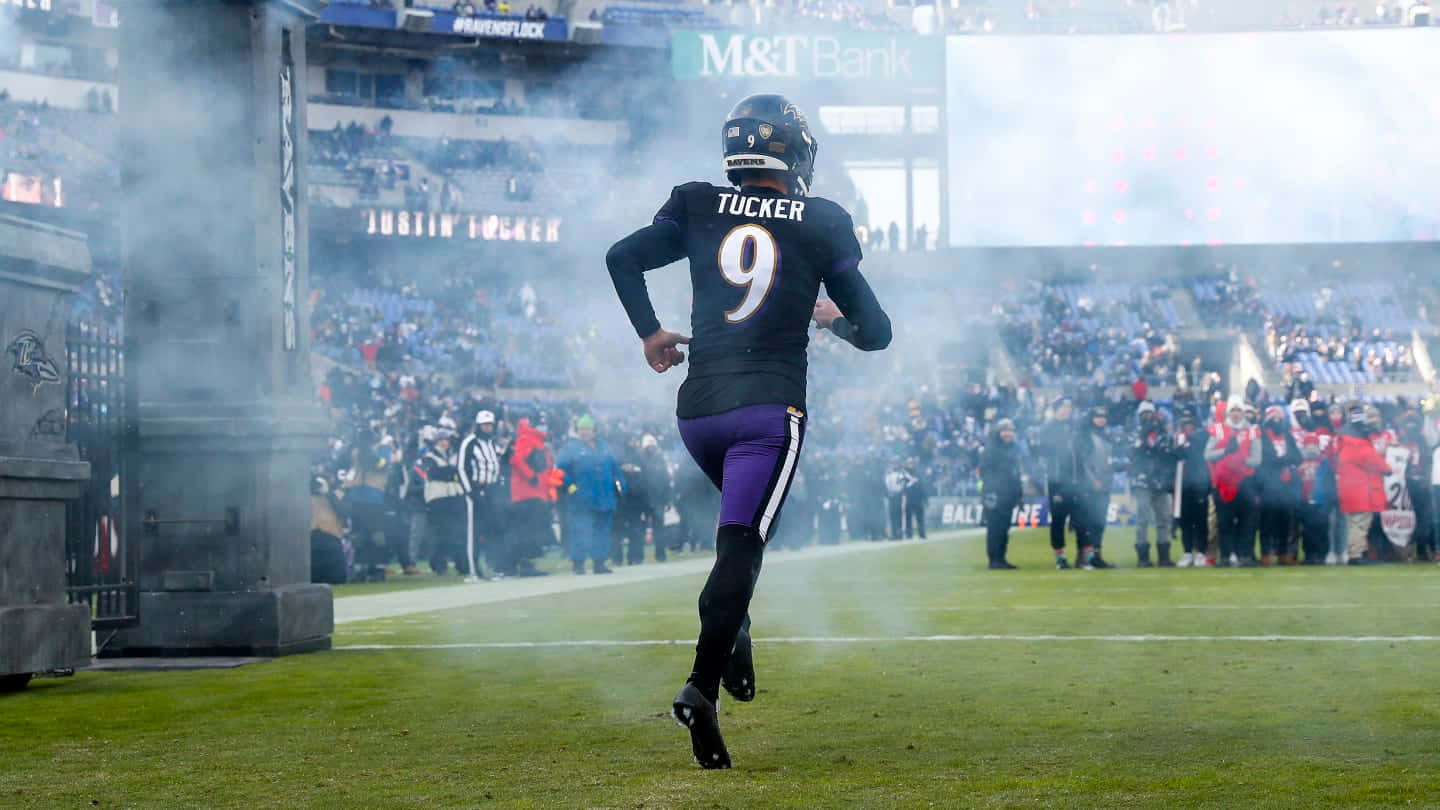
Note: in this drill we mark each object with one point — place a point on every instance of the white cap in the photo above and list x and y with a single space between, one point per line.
428 433
648 441
1146 407
485 418
1236 402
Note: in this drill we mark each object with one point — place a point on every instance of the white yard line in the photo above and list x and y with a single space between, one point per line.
1121 639
424 600
891 608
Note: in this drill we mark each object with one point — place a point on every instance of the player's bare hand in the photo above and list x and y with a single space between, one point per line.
661 352
825 313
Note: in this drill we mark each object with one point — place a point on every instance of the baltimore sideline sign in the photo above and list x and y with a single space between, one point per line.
401 224
850 57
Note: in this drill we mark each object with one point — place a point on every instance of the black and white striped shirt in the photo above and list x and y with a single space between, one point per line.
479 463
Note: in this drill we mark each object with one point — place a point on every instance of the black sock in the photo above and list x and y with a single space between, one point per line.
725 604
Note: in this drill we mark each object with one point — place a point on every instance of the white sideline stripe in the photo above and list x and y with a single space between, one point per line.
764 613
424 600
526 645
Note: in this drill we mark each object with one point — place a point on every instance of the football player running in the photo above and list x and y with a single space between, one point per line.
758 253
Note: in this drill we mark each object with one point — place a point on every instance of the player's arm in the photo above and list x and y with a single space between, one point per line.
628 260
853 313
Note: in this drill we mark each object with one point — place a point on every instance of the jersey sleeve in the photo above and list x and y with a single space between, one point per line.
844 248
655 245
673 211
865 324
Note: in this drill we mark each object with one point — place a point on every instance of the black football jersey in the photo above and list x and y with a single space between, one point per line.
757 260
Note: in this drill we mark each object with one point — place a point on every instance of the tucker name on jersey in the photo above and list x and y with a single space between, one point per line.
744 205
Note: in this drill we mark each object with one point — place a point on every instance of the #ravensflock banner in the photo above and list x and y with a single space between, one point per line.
487 26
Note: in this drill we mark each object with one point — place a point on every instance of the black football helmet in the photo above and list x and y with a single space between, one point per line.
769 133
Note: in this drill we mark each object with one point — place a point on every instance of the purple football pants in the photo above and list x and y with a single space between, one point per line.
751 455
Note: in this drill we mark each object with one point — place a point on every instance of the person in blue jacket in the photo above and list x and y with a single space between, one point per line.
593 482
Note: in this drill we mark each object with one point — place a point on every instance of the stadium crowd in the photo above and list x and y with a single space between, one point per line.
412 370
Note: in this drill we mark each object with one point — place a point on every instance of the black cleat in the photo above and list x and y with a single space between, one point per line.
1062 564
1099 562
739 678
691 710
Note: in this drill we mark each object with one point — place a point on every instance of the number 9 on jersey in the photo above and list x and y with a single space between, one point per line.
748 258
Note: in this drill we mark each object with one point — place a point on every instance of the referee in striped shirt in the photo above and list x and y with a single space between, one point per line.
479 471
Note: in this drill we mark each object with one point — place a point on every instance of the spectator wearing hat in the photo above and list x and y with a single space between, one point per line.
1000 483
480 470
1278 479
595 483
445 503
1194 489
1360 480
1312 513
1094 477
638 514
1233 453
1152 479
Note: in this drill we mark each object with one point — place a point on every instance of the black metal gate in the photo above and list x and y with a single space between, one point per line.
101 562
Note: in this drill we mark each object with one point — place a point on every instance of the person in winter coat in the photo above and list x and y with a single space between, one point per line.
643 504
595 484
1056 445
1279 484
533 483
1094 477
1233 453
1312 513
1152 480
1360 473
1411 436
1328 421
917 494
1000 483
865 497
364 503
445 501
1194 489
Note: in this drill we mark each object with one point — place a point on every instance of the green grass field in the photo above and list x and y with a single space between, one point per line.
856 709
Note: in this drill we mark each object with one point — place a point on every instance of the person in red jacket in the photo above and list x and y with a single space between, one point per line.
1233 453
533 483
1360 480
